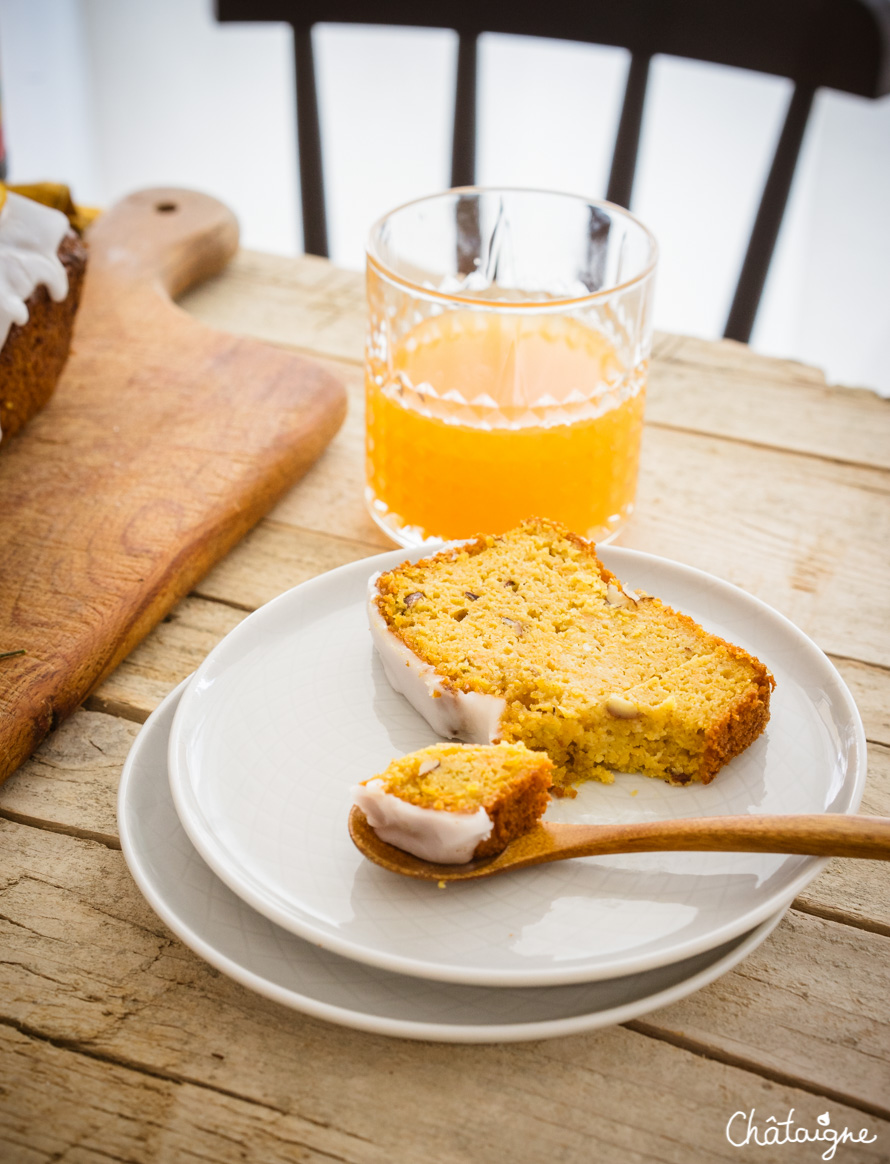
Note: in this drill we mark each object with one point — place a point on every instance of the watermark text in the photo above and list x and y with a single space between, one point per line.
743 1130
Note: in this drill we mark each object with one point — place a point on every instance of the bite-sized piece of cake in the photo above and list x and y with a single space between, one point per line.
42 265
528 637
450 803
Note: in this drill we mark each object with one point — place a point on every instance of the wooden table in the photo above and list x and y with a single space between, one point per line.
120 1044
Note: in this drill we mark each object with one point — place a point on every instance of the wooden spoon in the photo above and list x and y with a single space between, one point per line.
819 835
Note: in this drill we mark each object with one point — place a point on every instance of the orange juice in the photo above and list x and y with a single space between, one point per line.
479 419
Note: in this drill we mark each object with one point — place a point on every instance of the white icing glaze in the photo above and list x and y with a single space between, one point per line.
463 715
446 838
30 234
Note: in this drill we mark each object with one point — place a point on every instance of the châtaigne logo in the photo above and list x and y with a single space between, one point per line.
743 1131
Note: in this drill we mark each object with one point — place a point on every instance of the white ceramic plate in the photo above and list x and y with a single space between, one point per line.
292 709
226 932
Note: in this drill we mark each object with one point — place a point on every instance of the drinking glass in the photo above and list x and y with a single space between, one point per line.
507 351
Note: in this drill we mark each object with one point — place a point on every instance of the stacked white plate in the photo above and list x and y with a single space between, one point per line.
233 808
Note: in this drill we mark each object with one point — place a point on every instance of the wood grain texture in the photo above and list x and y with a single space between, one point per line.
721 420
164 443
306 303
870 687
727 390
58 1104
801 534
130 1047
274 557
175 648
70 783
87 966
858 893
703 386
803 969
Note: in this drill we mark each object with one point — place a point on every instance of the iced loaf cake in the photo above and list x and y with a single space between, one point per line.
528 637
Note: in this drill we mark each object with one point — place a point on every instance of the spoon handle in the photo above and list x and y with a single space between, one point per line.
820 835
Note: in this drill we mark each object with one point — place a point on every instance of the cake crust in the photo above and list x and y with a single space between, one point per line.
32 359
492 793
519 809
598 676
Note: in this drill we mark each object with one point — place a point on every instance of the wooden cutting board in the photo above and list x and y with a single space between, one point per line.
164 443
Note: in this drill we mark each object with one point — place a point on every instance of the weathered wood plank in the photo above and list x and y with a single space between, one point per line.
715 388
170 653
731 357
56 1104
801 533
273 558
70 783
303 302
331 498
154 1036
870 687
797 532
858 892
728 390
803 970
87 962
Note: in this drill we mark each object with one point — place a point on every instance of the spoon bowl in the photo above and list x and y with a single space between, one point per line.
818 834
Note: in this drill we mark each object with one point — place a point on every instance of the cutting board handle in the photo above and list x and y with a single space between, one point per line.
166 239
165 441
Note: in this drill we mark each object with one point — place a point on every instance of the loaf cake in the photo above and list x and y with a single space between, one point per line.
450 803
42 265
528 637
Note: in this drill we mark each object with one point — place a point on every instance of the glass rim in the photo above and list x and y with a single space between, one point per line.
521 305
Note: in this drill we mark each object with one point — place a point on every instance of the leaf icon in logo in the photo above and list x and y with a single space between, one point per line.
823 1119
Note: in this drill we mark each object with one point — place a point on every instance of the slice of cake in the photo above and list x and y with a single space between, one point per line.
451 803
528 637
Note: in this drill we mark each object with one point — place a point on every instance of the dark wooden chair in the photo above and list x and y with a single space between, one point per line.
836 44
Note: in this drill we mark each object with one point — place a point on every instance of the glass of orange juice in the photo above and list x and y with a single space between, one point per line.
507 351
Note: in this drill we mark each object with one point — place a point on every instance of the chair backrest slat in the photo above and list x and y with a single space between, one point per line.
463 149
627 140
755 267
842 44
315 230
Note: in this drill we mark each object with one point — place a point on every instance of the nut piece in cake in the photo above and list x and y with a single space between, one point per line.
556 652
451 803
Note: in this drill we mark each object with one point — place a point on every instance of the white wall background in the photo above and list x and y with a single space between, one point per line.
111 95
